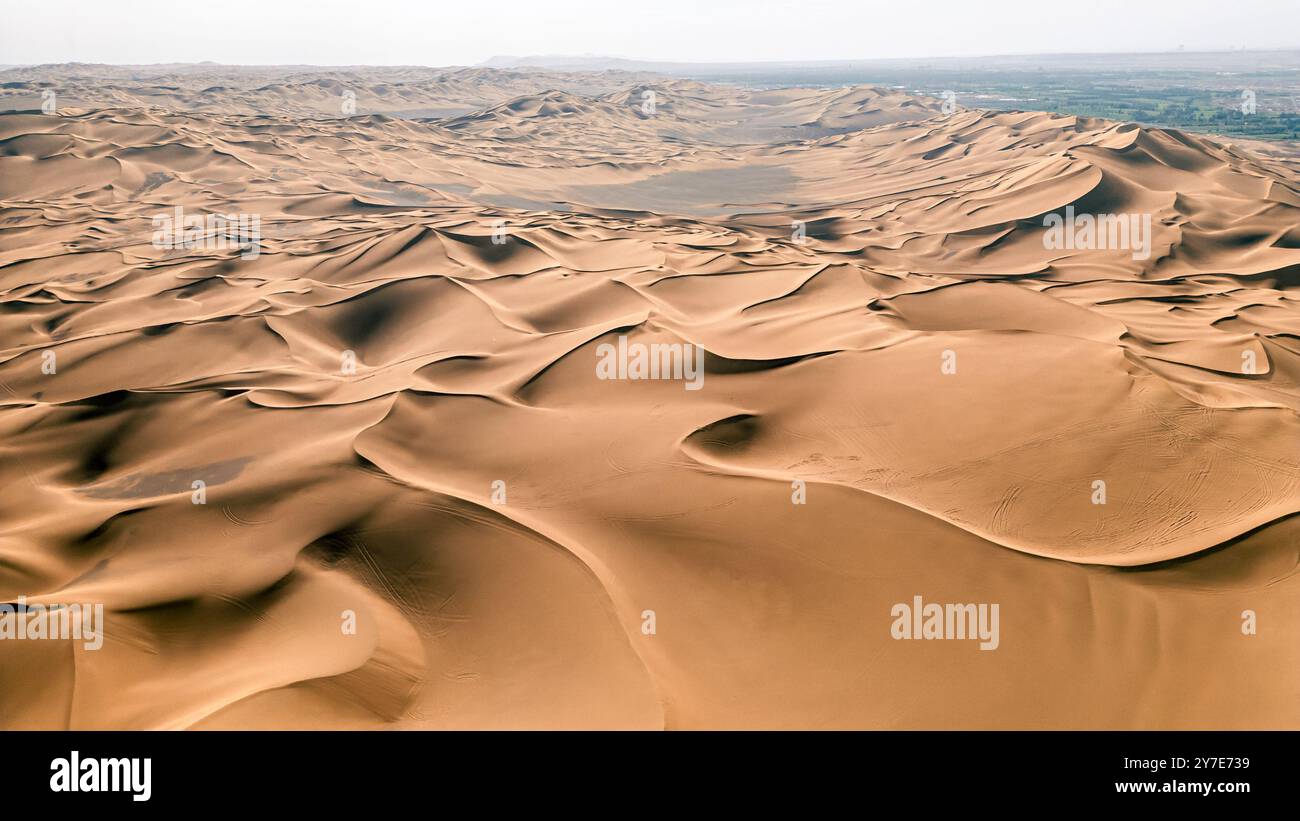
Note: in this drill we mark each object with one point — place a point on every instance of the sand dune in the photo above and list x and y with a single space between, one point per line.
885 320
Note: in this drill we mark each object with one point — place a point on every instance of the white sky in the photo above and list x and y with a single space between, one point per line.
464 32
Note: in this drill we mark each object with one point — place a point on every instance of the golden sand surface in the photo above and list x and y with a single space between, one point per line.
392 407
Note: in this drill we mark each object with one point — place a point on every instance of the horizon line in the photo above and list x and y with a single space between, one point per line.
596 58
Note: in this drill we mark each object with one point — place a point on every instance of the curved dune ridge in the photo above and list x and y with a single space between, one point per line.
395 410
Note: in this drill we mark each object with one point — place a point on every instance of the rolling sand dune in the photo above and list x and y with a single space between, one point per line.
883 320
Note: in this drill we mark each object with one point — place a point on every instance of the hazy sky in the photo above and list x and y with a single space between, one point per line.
463 32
